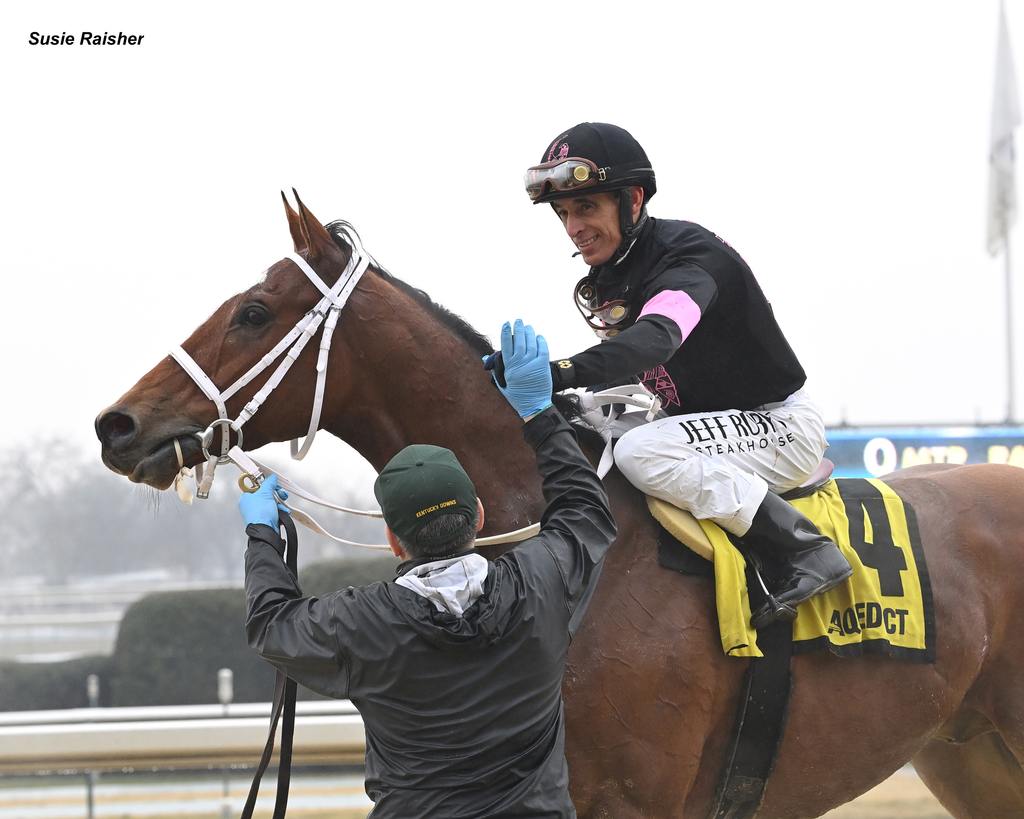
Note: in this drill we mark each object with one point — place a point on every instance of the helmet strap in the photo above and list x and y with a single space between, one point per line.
629 229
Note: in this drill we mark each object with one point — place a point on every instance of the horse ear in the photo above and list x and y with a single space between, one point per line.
318 240
294 226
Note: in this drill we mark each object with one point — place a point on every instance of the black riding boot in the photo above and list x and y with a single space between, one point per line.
815 563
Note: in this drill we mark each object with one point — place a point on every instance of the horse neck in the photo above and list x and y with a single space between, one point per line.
415 380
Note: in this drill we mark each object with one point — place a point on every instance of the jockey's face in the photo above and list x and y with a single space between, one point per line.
592 222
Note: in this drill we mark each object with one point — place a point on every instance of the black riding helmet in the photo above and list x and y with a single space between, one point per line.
595 157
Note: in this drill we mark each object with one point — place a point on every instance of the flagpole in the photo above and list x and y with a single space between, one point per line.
1011 390
1002 199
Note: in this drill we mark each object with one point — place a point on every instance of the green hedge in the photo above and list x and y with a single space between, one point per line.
41 686
170 646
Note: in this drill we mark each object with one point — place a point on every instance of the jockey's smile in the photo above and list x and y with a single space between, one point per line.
592 223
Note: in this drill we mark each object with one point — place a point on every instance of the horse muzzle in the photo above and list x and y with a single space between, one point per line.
146 453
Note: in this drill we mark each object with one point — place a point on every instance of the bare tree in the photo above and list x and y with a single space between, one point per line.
72 517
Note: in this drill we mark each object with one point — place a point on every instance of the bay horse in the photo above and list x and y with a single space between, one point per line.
650 699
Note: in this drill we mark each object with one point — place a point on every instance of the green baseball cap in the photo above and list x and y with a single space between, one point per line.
419 483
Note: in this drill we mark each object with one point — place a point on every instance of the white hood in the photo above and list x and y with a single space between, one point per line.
452 584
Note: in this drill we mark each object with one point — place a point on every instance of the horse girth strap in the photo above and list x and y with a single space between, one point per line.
284 704
760 722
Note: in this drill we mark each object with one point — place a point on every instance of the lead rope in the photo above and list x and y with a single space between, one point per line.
284 703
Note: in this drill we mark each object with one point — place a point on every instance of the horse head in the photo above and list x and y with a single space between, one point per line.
138 432
401 369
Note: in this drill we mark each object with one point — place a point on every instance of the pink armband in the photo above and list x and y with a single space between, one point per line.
677 306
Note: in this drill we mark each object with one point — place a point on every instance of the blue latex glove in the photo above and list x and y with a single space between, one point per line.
262 505
524 355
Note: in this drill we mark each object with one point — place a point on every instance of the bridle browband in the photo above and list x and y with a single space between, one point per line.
327 312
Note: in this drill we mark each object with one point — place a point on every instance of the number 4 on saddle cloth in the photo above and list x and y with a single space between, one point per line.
885 607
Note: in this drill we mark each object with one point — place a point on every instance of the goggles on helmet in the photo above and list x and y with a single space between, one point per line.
566 174
604 317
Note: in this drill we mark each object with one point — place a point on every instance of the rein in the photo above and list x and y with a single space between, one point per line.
285 694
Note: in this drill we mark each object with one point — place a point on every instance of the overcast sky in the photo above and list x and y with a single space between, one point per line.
840 147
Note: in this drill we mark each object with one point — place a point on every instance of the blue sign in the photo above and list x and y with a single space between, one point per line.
870 452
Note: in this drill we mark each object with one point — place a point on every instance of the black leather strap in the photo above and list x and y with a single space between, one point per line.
760 722
284 702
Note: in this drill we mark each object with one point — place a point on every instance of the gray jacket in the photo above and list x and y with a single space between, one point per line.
463 714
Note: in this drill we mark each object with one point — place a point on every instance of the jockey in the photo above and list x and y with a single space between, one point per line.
677 308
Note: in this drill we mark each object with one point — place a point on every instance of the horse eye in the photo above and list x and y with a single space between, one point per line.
254 315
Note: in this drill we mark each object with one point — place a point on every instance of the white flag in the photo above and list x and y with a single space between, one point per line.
1002 190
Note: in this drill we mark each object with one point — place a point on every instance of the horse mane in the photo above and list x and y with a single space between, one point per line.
454 322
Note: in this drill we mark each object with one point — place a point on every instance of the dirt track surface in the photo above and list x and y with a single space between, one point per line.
901 796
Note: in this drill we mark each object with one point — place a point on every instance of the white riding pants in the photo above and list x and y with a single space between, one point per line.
719 465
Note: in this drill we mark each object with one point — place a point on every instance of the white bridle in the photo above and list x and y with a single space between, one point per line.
326 312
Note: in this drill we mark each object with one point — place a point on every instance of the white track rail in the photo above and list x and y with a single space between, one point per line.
163 738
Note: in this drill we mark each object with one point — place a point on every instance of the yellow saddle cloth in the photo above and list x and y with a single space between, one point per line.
886 605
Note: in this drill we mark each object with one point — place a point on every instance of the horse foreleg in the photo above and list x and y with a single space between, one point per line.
977 778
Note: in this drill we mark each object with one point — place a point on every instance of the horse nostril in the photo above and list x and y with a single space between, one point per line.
116 429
